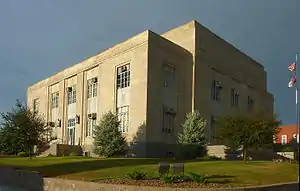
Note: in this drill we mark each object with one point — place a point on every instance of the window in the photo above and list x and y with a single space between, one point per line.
36 105
71 122
123 76
284 139
168 120
92 88
250 103
123 117
169 76
71 94
90 127
234 98
216 90
54 100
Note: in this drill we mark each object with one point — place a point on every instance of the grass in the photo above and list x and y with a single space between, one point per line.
91 169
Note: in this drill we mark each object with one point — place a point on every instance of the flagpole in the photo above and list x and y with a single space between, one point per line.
297 111
297 115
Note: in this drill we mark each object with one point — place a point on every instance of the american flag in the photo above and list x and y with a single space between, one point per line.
292 82
292 67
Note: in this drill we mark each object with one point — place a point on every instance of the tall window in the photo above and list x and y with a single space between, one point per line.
169 76
36 105
123 76
250 103
123 117
216 90
284 139
90 127
54 100
71 131
234 98
71 94
92 88
168 120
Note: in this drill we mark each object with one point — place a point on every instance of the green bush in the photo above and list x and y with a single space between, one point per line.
287 149
214 158
22 154
136 175
73 154
198 178
51 155
171 179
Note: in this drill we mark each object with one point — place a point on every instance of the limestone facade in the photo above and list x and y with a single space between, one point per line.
151 81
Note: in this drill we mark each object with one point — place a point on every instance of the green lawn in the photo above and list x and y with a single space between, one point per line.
83 168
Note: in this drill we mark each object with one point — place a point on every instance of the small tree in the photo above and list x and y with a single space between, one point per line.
246 132
22 129
108 139
193 133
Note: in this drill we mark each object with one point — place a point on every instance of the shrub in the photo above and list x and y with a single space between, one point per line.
214 158
288 149
198 178
73 154
51 155
171 179
22 154
136 175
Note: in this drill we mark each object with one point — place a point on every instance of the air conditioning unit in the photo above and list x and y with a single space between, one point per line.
50 124
171 111
77 119
94 80
58 123
218 84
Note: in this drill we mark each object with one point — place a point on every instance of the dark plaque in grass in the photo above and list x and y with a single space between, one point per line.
163 168
178 169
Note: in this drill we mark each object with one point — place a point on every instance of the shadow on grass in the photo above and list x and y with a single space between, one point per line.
220 179
220 176
54 170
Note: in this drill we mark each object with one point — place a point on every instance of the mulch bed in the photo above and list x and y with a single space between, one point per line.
159 183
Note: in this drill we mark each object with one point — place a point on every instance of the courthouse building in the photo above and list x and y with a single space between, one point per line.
151 81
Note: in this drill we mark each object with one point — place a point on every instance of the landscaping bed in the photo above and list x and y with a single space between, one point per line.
156 182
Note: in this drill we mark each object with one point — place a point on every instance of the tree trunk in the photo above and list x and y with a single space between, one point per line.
30 152
245 155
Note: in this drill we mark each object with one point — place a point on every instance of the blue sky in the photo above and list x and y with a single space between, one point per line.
39 38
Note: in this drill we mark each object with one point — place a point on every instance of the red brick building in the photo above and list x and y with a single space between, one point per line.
286 134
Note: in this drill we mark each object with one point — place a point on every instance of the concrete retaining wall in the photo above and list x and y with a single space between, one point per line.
20 179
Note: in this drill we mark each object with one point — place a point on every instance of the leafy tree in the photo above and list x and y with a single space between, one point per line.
192 138
21 130
246 132
109 141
